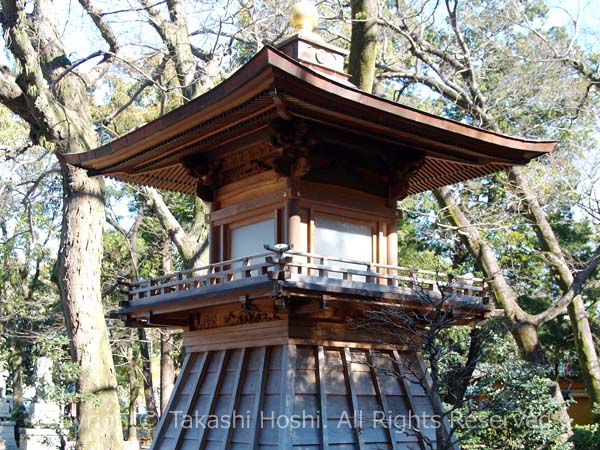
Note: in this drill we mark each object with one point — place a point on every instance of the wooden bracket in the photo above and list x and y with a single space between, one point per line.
324 304
281 302
293 138
245 302
208 176
400 175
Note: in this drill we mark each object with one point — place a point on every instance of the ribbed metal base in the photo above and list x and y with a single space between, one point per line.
291 396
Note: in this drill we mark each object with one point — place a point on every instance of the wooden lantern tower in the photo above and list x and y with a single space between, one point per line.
288 153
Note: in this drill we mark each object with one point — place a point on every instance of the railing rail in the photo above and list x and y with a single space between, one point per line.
318 268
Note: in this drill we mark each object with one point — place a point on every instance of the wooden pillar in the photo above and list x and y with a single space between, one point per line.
213 236
294 227
392 243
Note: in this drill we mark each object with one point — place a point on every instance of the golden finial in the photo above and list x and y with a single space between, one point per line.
304 16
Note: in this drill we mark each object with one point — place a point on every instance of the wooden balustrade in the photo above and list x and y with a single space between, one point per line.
313 267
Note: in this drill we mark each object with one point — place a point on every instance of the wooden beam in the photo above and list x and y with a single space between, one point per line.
287 393
263 365
397 362
429 387
223 358
382 400
350 385
179 383
195 381
322 393
240 377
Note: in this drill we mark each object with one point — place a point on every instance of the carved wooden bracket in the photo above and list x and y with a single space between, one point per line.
400 175
208 176
294 138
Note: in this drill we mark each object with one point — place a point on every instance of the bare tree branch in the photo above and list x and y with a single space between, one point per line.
156 74
11 95
103 27
572 292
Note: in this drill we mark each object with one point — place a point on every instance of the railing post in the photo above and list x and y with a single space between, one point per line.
211 270
323 273
485 291
246 273
412 274
163 289
279 261
369 278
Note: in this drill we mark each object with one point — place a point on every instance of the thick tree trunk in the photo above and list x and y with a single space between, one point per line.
363 47
54 101
584 341
79 283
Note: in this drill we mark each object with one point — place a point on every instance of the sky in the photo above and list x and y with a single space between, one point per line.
80 43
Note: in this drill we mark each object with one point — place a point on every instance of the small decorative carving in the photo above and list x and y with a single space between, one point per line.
243 317
243 171
256 153
206 322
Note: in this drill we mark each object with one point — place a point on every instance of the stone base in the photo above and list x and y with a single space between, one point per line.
7 436
4 409
131 445
44 414
39 439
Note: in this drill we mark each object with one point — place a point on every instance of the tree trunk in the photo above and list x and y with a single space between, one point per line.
16 373
460 379
586 353
167 362
79 263
363 47
55 102
147 377
584 341
167 368
134 390
148 384
192 245
521 324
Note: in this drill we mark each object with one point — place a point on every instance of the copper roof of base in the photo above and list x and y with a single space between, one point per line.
273 86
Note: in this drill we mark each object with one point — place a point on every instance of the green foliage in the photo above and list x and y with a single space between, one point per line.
509 405
64 372
586 437
420 243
